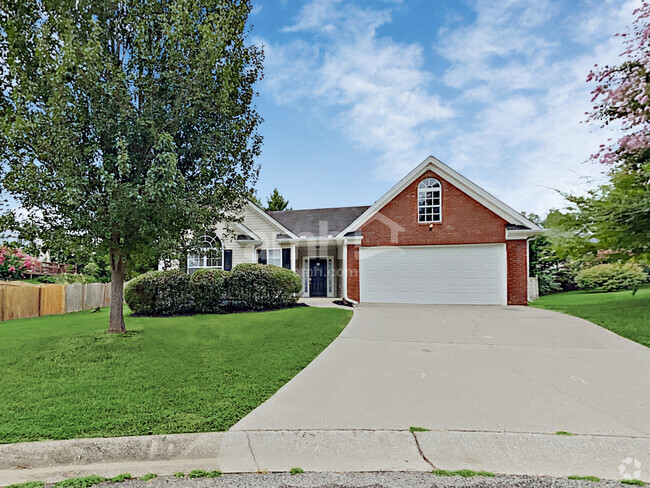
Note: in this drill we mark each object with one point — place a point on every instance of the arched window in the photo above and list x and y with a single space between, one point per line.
207 253
429 208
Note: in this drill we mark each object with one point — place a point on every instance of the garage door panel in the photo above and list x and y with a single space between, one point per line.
434 274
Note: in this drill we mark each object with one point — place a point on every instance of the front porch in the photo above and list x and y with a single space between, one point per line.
320 267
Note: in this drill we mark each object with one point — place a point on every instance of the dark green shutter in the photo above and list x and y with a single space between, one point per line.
227 260
286 258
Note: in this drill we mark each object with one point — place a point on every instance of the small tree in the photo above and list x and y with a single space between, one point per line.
277 202
126 125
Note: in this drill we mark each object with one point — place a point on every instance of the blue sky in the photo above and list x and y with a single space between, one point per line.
358 92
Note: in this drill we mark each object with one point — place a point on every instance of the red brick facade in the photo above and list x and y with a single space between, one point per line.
464 221
353 271
517 259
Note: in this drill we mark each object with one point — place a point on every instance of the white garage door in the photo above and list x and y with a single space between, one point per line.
434 274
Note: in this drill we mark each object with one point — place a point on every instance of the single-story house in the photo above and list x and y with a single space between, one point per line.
435 237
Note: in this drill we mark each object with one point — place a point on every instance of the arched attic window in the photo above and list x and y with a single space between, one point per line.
207 253
429 201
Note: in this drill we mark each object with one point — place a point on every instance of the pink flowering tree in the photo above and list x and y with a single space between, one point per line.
615 216
623 93
15 264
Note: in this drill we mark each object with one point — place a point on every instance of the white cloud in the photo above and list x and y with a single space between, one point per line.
524 97
516 72
379 88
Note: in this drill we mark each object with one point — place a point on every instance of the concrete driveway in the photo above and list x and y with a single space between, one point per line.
468 368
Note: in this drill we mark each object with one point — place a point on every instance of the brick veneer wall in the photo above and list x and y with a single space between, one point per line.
464 221
517 258
353 271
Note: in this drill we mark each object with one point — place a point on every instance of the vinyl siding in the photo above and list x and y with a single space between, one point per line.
247 253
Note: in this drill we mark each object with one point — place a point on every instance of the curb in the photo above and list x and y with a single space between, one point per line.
327 450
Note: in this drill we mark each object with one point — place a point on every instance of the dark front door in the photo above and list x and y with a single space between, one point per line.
318 277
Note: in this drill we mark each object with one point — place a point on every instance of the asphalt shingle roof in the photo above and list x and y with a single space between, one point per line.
318 222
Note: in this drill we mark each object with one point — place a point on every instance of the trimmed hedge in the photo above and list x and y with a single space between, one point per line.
159 293
208 287
262 286
248 286
611 277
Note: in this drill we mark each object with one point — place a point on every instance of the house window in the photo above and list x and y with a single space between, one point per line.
208 253
274 256
270 256
429 201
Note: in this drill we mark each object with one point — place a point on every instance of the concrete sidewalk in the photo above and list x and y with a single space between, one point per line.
327 451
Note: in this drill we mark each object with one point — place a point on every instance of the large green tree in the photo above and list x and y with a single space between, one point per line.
125 125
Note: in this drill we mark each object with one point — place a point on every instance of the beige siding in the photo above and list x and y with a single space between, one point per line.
247 253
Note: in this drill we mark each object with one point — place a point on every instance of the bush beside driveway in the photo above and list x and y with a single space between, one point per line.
65 377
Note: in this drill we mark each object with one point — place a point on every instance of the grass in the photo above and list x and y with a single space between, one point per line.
199 473
465 473
633 482
64 377
595 479
621 312
121 477
29 484
83 482
563 432
418 429
149 476
295 471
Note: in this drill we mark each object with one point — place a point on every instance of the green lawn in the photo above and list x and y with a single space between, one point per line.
620 312
64 377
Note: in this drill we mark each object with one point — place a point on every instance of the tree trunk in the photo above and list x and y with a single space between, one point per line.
118 269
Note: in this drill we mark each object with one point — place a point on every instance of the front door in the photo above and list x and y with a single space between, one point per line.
318 277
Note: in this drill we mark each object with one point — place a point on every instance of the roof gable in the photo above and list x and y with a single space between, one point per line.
265 216
463 184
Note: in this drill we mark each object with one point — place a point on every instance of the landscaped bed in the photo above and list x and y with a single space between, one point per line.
64 377
621 312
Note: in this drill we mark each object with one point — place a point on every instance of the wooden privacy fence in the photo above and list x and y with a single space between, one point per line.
19 300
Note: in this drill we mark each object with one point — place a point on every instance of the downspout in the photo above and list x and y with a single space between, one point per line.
345 274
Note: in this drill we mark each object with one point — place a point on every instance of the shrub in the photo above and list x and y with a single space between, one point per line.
159 293
611 277
14 263
285 286
262 286
91 269
208 287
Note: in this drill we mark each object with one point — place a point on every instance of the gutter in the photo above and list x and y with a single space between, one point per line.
517 234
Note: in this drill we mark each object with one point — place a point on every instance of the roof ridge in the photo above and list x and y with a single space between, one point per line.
313 209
